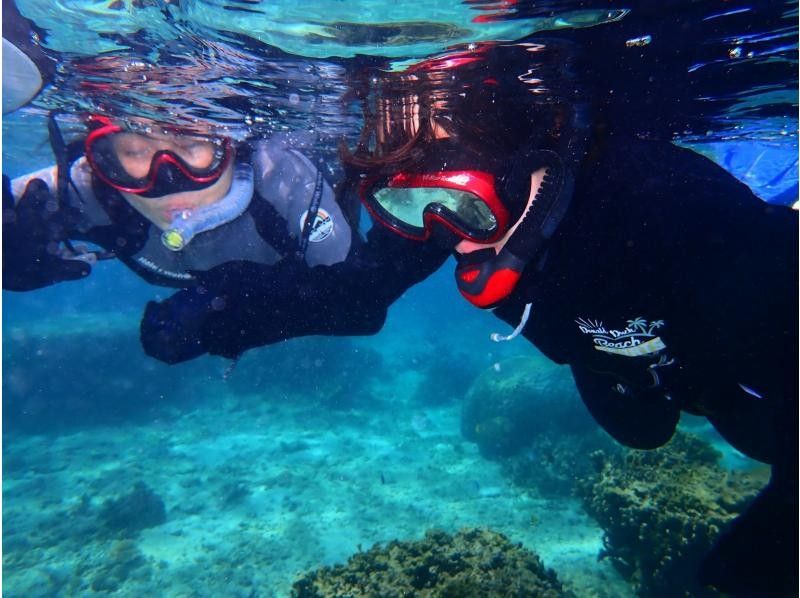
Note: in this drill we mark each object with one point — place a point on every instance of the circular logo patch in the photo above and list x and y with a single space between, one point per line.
322 227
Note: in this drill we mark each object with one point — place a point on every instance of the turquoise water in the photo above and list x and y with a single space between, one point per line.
266 474
309 450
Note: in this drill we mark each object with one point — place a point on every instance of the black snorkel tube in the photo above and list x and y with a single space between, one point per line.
64 159
486 277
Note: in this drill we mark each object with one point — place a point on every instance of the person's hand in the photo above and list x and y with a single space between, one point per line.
33 231
172 330
225 314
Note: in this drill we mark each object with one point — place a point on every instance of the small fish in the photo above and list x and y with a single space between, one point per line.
490 492
383 478
750 391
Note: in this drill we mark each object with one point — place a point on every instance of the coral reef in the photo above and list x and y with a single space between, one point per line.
662 510
140 509
554 464
122 562
473 562
81 550
442 370
517 399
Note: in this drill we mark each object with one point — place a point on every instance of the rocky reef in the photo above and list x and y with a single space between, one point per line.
90 371
140 509
473 562
554 464
518 399
662 510
333 372
83 549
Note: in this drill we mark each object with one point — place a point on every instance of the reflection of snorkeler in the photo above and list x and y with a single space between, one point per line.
173 205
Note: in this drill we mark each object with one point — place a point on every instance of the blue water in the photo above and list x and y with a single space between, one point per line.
310 449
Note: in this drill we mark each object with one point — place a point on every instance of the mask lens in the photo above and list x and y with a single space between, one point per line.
130 161
408 206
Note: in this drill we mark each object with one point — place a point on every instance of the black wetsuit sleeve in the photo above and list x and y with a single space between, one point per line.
240 305
290 299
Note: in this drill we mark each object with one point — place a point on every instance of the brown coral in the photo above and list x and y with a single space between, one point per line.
473 562
662 510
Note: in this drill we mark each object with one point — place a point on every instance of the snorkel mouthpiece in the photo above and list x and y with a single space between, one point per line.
187 224
484 277
173 239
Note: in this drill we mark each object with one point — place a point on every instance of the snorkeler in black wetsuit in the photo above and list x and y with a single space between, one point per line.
668 286
662 281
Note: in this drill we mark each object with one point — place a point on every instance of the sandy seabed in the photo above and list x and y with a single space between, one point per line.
262 486
255 496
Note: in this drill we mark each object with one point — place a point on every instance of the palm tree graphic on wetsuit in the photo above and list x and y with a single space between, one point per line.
641 325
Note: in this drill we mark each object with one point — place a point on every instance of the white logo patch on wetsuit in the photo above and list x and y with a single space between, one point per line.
322 227
635 340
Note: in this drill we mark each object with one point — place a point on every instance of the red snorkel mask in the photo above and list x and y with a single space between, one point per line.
155 161
464 202
467 205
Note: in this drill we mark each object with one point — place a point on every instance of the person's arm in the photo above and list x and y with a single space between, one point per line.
635 418
35 225
241 305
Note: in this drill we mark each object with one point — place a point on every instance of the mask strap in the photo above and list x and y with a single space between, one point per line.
311 214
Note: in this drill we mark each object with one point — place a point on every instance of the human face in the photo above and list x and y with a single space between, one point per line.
162 211
154 160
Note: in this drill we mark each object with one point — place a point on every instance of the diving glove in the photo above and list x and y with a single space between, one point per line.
33 233
171 330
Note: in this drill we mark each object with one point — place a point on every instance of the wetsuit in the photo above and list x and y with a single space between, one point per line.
268 232
669 286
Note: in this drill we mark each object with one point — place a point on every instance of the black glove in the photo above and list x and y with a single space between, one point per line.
32 235
235 306
171 330
640 418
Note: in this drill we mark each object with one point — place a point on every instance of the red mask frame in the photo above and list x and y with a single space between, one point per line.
475 182
195 178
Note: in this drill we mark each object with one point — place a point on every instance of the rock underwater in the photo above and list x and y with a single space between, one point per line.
518 399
